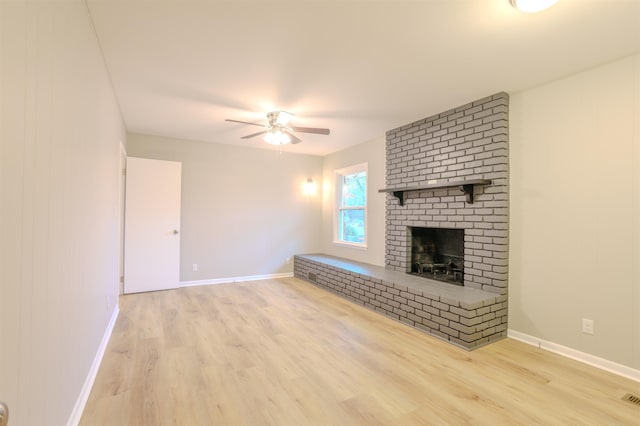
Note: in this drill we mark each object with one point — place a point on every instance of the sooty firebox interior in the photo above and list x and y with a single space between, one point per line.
438 254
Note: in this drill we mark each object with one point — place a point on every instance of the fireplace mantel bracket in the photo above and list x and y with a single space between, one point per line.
466 186
400 196
468 191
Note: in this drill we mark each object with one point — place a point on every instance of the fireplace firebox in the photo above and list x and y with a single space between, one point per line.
437 254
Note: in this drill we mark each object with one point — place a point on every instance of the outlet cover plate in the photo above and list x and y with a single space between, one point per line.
587 326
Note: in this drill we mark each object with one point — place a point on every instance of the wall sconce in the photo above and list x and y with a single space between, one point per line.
309 187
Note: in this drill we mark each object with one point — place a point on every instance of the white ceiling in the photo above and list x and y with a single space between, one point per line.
360 68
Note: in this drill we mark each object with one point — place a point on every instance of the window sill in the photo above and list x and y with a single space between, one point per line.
350 245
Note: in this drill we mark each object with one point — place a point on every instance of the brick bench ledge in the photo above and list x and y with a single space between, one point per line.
467 317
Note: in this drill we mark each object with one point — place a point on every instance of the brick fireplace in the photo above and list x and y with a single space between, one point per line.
447 199
467 143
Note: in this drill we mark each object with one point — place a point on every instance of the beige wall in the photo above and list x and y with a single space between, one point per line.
575 211
241 204
243 209
373 153
59 147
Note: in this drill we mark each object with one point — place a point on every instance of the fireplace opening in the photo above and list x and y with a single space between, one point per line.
438 254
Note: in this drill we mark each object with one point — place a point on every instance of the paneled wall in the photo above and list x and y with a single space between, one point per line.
59 159
575 212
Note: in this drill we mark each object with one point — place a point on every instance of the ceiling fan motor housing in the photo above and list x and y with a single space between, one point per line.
278 119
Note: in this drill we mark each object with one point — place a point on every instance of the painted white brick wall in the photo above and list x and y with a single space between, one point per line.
468 142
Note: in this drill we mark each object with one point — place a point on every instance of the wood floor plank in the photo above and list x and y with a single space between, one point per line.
283 352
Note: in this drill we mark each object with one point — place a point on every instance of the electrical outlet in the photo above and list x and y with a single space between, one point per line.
587 326
288 260
194 267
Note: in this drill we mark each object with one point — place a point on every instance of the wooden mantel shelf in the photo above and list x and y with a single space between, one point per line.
466 186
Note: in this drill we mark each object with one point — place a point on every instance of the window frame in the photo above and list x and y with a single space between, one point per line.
338 208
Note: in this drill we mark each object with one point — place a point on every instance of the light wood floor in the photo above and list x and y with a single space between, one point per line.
282 352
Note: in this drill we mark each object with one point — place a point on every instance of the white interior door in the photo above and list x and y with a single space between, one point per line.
152 225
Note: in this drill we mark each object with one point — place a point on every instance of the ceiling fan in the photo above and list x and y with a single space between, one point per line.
278 132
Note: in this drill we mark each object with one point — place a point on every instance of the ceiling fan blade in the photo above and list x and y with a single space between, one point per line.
294 138
254 134
245 122
316 130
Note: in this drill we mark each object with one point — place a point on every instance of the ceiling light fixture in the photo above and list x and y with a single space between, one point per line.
531 6
277 137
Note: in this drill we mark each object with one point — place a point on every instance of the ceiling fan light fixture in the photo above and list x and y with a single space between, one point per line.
277 131
531 6
277 137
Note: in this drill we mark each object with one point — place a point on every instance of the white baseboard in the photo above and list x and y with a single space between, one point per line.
76 414
235 279
594 361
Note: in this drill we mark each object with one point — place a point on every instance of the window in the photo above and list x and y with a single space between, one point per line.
351 205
